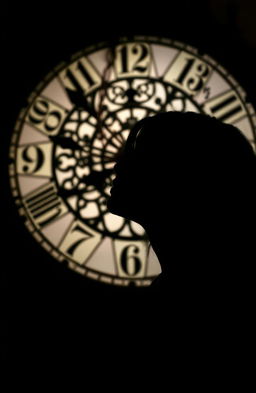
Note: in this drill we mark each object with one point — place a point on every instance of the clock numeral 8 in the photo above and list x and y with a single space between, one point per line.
46 116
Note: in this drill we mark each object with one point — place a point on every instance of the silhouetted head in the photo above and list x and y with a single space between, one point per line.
179 159
180 176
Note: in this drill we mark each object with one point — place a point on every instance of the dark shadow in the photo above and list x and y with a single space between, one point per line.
189 180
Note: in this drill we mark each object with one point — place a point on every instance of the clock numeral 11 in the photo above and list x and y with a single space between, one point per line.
80 76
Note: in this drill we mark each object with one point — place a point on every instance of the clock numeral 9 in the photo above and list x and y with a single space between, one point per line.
46 116
35 159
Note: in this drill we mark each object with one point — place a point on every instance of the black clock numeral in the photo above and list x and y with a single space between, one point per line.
130 261
133 60
46 116
35 159
79 242
84 236
80 76
227 107
44 205
188 73
131 257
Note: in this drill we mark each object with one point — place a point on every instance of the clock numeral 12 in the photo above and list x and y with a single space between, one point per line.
133 60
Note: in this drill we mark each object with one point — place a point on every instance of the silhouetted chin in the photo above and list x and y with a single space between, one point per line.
113 205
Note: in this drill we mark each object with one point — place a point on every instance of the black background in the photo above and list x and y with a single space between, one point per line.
34 39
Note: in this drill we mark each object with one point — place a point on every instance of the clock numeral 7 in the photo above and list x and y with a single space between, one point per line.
79 242
81 75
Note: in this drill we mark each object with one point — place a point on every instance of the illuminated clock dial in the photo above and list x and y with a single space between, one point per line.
67 140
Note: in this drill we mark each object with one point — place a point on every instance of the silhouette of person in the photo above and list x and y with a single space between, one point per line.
188 179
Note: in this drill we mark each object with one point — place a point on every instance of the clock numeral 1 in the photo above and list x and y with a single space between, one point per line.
133 60
131 258
80 75
226 107
46 116
35 160
188 73
44 205
79 242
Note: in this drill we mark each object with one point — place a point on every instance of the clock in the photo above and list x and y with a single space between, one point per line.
68 138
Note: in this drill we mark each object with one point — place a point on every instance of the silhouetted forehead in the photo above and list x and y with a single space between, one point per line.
190 138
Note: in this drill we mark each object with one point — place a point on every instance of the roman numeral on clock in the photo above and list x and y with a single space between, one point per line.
227 107
80 76
44 205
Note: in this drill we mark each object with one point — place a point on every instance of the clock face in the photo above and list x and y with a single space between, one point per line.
67 140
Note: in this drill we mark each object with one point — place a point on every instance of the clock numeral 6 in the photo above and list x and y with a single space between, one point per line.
130 262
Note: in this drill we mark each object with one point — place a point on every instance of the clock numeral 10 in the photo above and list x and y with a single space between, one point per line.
46 116
188 73
133 60
44 205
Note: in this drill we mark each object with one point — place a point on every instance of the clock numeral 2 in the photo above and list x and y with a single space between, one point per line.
226 107
44 205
